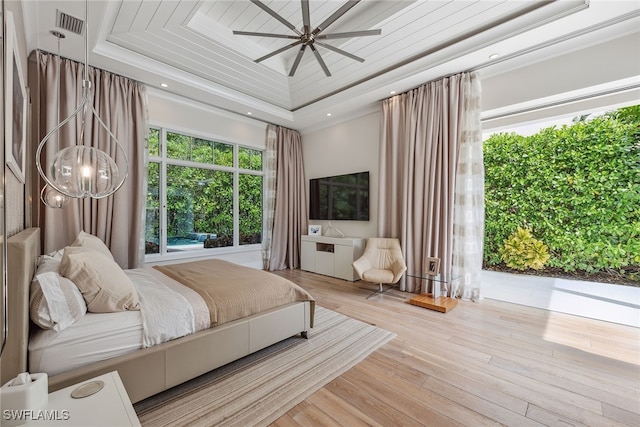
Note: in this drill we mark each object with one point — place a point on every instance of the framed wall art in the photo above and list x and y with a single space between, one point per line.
4 317
15 120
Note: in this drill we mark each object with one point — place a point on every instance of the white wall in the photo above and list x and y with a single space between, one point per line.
182 114
351 146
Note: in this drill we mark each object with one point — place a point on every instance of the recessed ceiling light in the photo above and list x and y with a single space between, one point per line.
393 92
494 56
249 113
328 114
164 85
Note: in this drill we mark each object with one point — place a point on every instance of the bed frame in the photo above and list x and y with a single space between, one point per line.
151 370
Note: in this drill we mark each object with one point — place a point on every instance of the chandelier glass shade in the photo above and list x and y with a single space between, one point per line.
81 171
53 198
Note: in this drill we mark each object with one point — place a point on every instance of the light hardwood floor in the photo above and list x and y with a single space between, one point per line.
486 363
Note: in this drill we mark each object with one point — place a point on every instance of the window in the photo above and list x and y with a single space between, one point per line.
201 194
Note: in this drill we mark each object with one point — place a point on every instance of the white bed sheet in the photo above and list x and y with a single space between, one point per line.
99 336
94 337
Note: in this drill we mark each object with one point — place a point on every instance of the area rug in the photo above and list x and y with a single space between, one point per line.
260 388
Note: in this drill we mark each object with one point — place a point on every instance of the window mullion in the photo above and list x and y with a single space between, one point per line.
187 163
163 192
236 199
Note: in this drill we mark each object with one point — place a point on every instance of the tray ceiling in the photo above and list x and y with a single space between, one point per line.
190 46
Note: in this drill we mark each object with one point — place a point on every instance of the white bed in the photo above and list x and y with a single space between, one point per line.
93 338
100 336
117 339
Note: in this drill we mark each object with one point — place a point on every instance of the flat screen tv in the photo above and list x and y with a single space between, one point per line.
340 197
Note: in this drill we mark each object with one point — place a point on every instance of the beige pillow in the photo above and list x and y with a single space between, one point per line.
103 284
90 241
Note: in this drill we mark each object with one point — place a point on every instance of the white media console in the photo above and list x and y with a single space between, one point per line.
331 256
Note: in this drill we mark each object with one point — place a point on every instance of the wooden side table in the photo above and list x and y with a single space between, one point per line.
108 407
434 301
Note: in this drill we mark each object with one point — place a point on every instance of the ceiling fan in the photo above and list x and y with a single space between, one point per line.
308 37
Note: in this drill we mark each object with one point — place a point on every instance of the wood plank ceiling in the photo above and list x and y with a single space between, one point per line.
190 44
197 38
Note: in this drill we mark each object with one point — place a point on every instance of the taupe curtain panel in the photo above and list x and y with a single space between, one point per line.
122 105
421 134
290 203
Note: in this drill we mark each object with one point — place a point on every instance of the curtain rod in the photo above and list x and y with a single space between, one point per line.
89 65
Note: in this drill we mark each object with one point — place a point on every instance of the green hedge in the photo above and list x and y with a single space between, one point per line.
576 187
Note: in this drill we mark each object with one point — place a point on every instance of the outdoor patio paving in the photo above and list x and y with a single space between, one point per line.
603 301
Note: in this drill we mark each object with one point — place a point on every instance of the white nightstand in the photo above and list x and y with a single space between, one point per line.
108 407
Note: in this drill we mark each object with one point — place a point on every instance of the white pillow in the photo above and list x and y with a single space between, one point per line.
54 302
90 241
48 263
103 284
57 255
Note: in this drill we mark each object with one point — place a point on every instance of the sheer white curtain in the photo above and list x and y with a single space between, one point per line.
422 134
468 219
270 169
122 106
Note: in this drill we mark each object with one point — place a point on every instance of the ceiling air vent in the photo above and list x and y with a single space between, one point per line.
69 23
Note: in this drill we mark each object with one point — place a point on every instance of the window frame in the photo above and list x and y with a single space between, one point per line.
164 161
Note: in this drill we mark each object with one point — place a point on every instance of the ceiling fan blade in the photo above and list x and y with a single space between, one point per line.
350 34
294 67
340 51
275 15
335 15
275 52
278 36
320 61
306 19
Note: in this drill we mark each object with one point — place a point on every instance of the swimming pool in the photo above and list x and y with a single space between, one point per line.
189 239
181 241
192 241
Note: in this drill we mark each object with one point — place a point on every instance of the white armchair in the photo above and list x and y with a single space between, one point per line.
382 263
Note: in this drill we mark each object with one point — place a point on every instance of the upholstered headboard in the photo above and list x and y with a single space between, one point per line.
23 250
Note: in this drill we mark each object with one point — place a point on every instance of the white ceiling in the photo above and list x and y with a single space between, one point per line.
189 45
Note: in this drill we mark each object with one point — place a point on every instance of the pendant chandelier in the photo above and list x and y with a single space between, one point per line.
81 171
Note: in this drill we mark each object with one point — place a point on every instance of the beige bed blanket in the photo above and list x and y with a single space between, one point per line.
232 291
